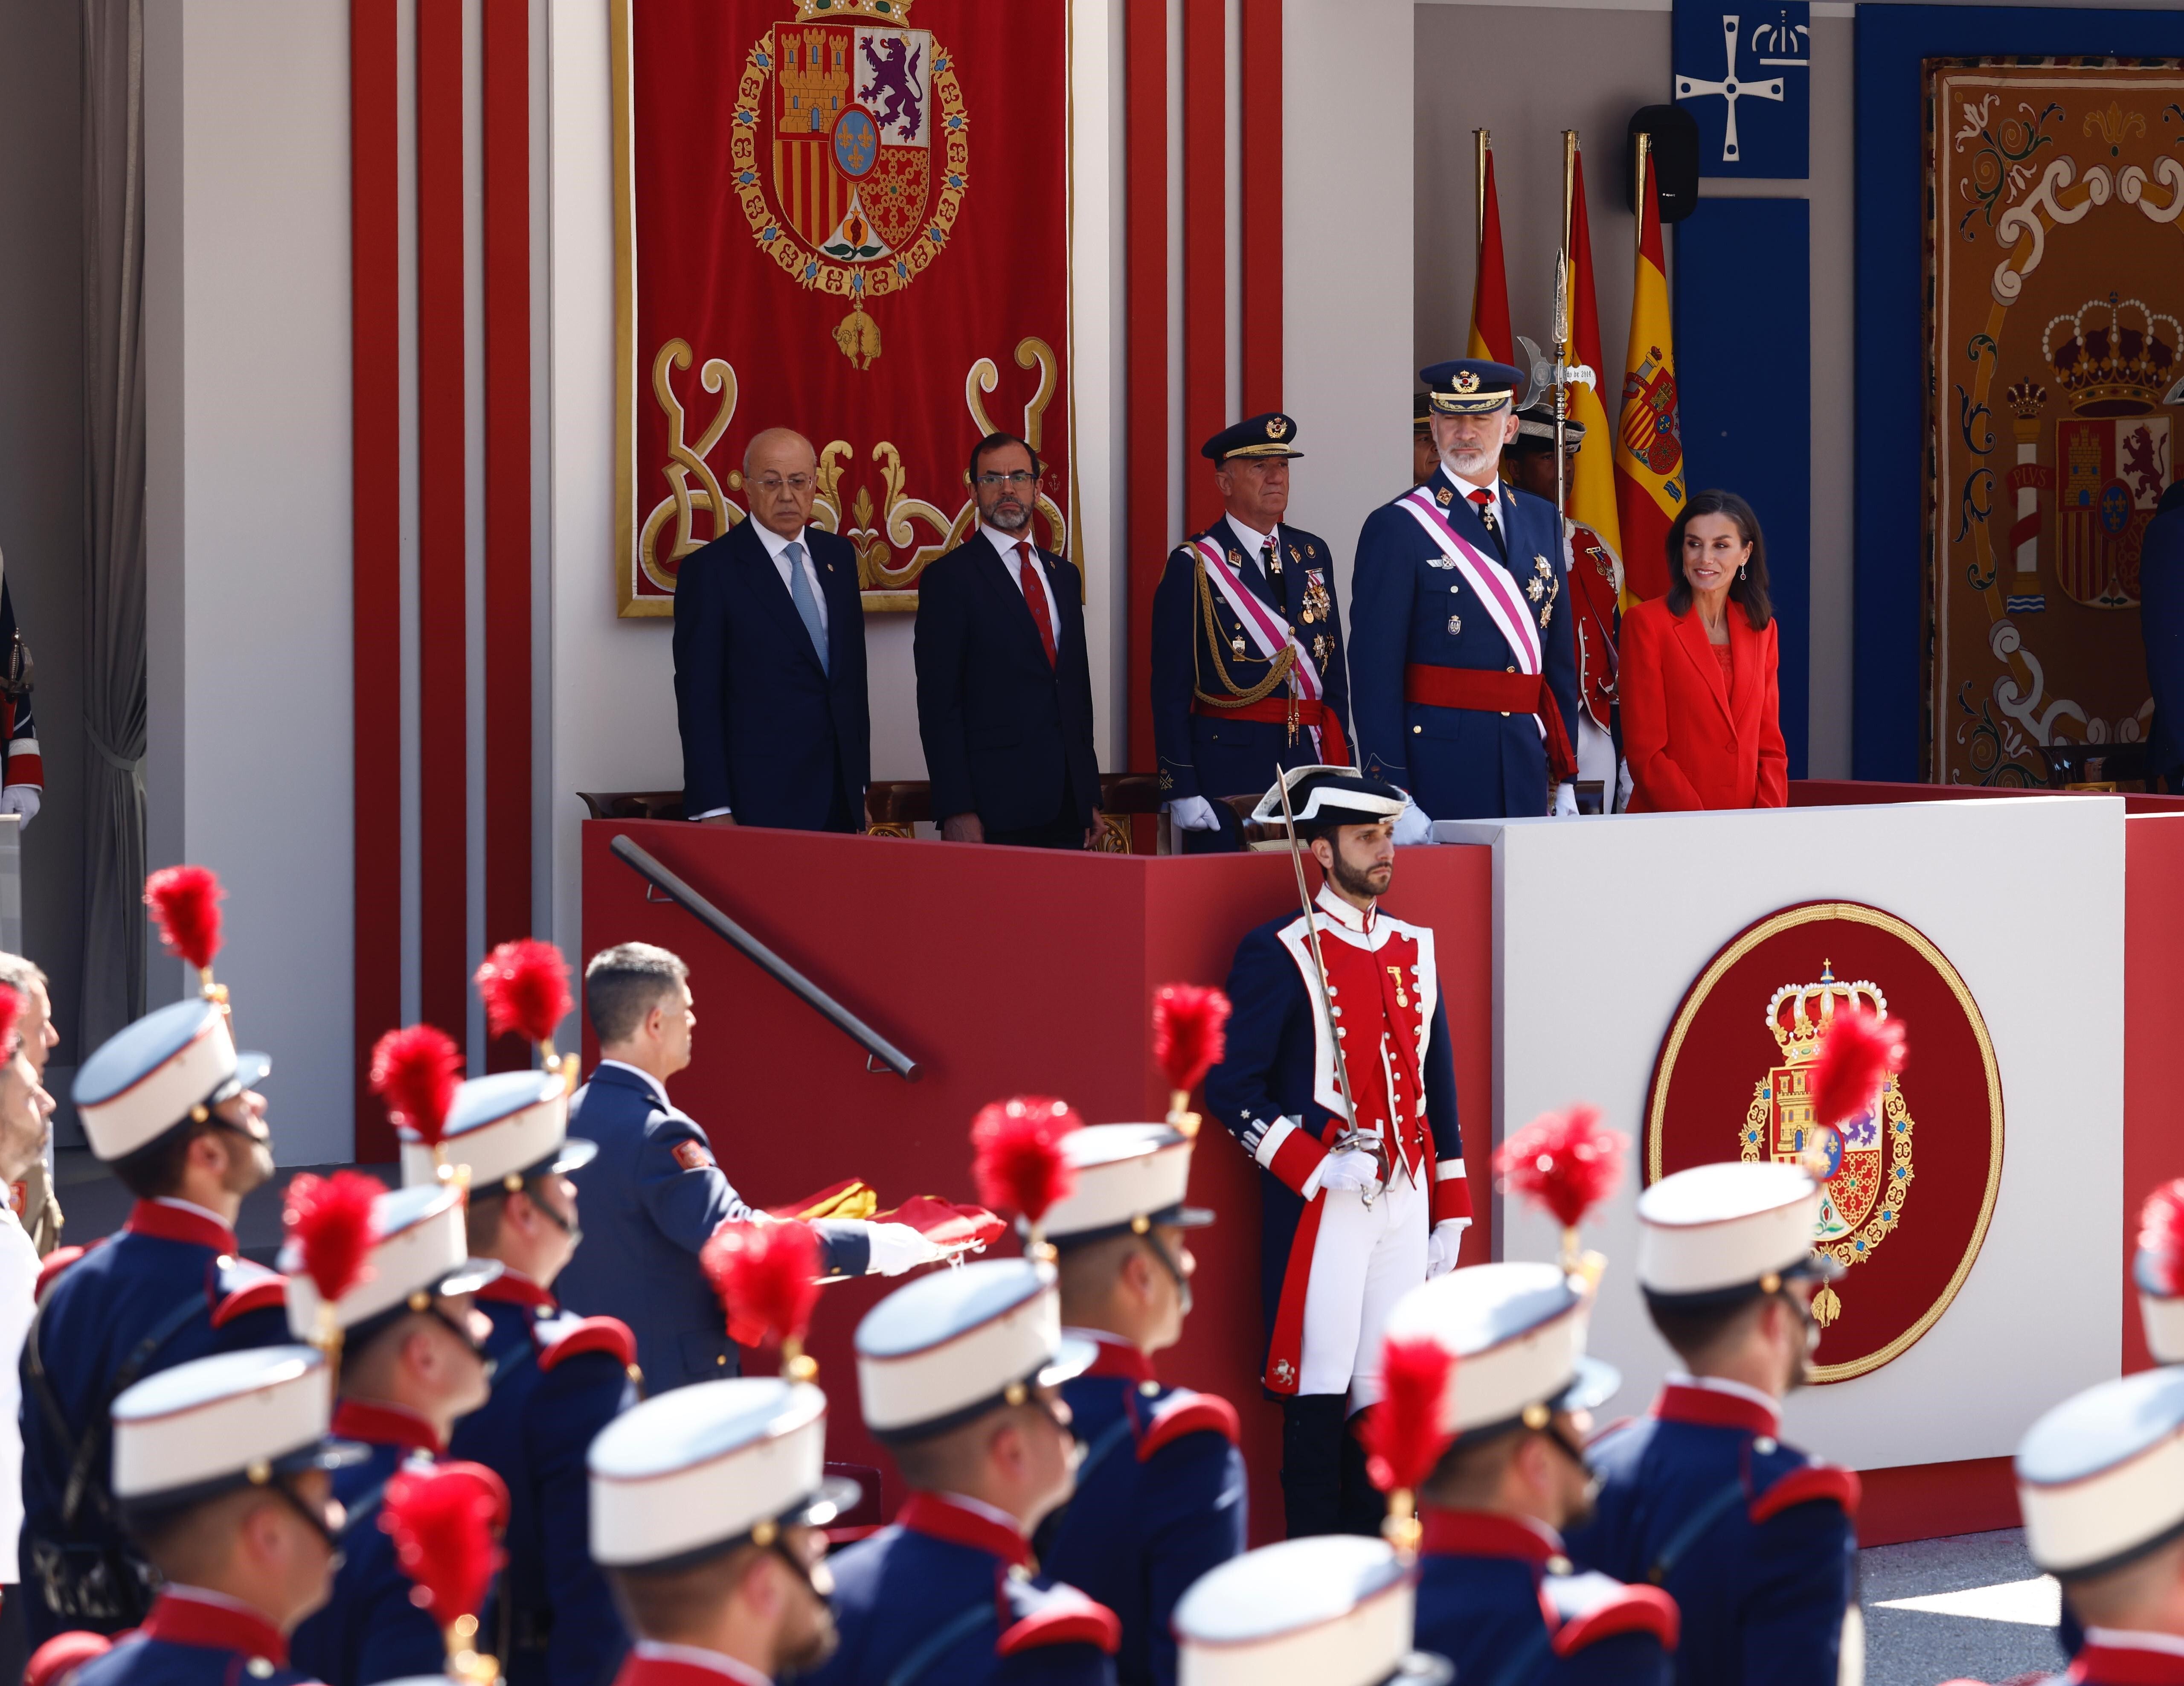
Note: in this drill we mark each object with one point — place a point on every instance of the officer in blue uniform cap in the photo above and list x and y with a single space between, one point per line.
174 1110
1496 1592
558 1379
220 1468
1701 1497
708 1512
959 1374
1335 1610
1462 672
1248 673
412 1362
1161 1495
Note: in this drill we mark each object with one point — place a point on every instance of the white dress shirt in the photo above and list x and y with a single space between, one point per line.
1006 544
658 1088
1465 487
776 547
1254 544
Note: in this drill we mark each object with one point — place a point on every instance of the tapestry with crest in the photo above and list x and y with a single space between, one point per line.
848 217
2055 250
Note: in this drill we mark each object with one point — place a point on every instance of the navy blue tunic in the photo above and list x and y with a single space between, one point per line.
195 1639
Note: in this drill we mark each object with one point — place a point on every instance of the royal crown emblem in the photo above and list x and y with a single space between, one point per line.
1466 380
2110 364
1863 1163
1276 428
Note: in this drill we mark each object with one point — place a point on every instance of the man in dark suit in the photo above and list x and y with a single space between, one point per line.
1004 685
770 660
2161 623
654 1194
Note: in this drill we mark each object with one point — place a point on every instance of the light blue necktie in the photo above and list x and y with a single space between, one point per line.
799 593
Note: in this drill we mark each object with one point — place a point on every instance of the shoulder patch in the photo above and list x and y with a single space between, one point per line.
1063 1616
245 1288
1595 1608
1815 1482
581 1335
692 1155
50 1268
1183 1412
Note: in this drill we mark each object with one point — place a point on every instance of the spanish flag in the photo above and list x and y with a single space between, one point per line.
1649 446
1592 488
1489 286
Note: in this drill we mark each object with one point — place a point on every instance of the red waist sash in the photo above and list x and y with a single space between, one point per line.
1484 691
1333 748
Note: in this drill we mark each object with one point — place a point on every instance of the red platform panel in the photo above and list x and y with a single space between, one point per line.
999 971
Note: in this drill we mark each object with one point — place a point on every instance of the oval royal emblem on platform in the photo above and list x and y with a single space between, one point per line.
1908 1185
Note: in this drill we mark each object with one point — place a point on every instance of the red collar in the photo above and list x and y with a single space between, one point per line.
179 1617
1479 1534
2127 1665
379 1424
1114 1356
171 1223
684 1666
937 1517
513 1287
1712 1409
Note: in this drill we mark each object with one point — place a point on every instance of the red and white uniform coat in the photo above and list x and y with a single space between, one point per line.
1332 1265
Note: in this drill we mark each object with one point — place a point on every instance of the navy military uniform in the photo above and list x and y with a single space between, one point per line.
1236 613
168 1287
1161 1494
949 1591
1330 1611
1752 1537
1463 674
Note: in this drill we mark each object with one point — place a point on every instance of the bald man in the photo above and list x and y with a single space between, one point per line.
770 660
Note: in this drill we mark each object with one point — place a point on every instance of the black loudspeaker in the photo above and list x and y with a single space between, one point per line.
1672 159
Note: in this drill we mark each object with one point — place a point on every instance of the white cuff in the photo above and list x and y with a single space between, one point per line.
711 814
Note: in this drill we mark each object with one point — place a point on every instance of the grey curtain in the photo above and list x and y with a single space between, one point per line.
115 681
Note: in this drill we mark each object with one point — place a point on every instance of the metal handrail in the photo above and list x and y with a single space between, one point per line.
875 1046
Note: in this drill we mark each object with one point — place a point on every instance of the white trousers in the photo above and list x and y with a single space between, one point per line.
1365 1260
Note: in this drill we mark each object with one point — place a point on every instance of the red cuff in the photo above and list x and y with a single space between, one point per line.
1451 1198
26 769
1296 1156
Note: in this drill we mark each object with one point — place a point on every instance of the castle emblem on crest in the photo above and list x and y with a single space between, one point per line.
1863 1164
851 153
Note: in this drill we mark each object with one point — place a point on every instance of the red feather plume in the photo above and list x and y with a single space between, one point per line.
11 1009
1858 1049
2161 1234
446 1521
525 986
1403 1435
1564 1163
329 1221
185 902
1189 1032
57 1660
767 1277
415 1070
1016 1160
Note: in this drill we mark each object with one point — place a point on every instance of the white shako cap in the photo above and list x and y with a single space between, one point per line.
1335 1610
1725 1229
705 1467
955 1344
1129 1177
504 1129
1322 796
2100 1478
220 1422
419 1250
1516 1332
166 1070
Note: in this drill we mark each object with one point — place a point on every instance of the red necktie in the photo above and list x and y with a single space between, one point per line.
1027 577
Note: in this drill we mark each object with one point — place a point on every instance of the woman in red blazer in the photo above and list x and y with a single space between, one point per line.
1701 725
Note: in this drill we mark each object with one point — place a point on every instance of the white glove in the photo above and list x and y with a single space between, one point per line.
1411 825
1352 1168
22 799
1442 1244
1565 801
1623 787
1193 814
897 1248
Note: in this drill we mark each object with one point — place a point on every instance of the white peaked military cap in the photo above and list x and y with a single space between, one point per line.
1323 795
168 1068
710 1467
504 1129
1516 1332
954 1345
1335 1610
418 1252
1130 1177
233 1419
1726 1231
2100 1478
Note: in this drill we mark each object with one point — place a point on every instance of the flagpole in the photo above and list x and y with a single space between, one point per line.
1561 327
1482 142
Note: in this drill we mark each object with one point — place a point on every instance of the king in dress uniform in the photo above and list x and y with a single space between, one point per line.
1160 1496
1248 672
1351 1219
1463 676
1701 1497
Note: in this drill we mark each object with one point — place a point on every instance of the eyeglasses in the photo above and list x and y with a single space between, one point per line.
1016 479
798 484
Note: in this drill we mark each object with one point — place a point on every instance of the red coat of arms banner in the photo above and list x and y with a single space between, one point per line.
834 216
1908 1185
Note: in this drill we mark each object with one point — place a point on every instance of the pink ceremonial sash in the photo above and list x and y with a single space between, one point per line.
1489 579
1268 633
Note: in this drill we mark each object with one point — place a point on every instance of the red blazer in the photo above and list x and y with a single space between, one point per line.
1691 741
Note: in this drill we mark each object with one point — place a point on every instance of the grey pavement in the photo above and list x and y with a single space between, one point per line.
1993 1622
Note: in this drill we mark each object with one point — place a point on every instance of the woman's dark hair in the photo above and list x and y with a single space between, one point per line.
1750 588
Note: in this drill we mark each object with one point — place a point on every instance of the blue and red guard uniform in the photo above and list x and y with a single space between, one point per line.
557 1381
1161 1499
19 733
948 1595
1752 1538
194 1638
169 1285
